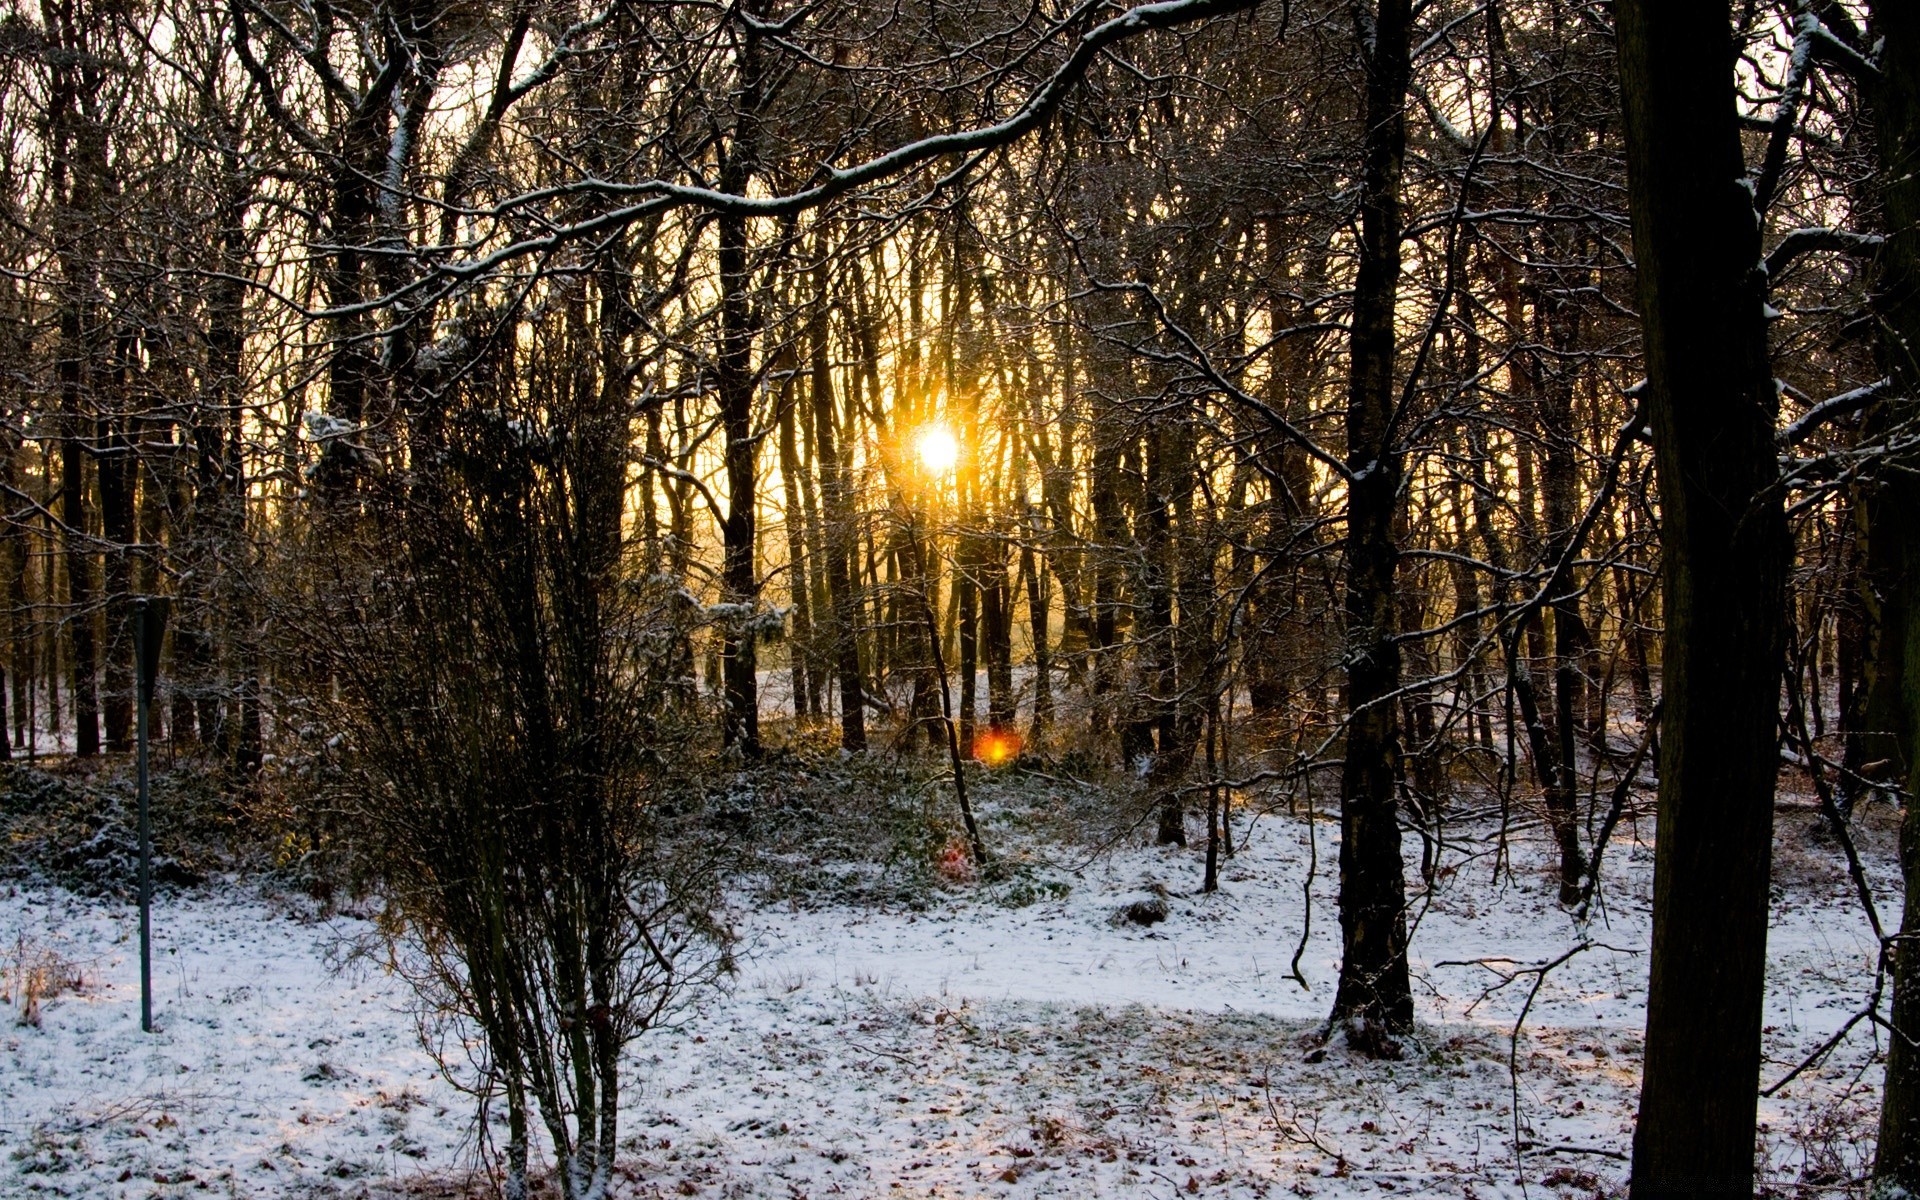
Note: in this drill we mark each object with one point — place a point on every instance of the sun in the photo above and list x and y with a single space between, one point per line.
937 448
997 746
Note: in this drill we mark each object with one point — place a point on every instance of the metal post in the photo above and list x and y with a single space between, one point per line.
146 824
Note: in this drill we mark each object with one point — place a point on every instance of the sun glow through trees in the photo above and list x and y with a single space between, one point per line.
937 449
996 747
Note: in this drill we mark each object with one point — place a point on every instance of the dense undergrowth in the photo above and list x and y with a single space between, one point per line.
803 825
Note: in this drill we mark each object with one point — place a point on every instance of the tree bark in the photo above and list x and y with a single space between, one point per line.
1374 1000
1711 397
1034 577
74 533
1894 539
836 510
114 469
800 640
736 382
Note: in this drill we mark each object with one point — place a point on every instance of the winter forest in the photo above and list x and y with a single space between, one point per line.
802 598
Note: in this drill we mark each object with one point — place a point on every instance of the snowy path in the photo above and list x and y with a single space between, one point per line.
971 1051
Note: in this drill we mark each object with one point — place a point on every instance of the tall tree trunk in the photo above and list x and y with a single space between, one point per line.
836 510
115 471
1110 532
996 631
74 162
800 642
1196 681
1572 644
13 617
1155 724
1034 576
1894 539
966 606
50 641
74 537
1710 395
736 382
1374 1000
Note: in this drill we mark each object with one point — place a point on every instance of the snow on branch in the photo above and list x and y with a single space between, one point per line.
1801 242
657 195
1835 50
1831 408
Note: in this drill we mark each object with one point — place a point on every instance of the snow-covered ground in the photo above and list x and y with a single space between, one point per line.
969 1050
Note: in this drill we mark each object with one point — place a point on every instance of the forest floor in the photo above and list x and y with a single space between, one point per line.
980 1041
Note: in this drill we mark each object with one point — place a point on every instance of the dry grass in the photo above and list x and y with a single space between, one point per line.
34 973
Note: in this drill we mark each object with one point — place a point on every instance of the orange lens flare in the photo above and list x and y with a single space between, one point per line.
997 747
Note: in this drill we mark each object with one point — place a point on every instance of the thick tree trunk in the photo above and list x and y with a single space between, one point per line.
736 382
1711 397
1374 1000
1894 538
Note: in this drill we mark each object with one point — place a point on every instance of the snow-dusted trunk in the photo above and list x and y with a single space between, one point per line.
737 382
516 1182
1375 999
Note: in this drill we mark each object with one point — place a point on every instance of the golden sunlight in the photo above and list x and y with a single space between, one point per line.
997 747
937 448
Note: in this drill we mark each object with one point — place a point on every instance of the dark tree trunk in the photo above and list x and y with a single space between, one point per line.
1197 677
1109 533
800 641
76 152
24 673
115 471
20 618
13 617
736 381
353 368
836 510
1034 576
1849 663
1154 721
1551 767
1711 398
1572 645
996 621
74 533
966 606
1894 539
929 688
819 600
51 649
214 531
1374 1000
